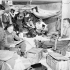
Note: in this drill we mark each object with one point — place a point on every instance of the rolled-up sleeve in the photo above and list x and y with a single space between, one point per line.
16 37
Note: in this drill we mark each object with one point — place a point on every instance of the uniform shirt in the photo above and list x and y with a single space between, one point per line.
2 34
39 27
30 24
10 37
66 32
2 38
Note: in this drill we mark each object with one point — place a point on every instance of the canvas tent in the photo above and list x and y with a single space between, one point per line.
45 13
46 8
40 0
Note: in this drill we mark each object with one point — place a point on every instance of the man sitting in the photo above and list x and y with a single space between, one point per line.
41 26
12 40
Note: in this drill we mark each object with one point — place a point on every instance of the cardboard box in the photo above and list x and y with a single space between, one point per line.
35 54
57 61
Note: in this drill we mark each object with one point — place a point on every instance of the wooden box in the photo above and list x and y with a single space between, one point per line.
57 61
35 54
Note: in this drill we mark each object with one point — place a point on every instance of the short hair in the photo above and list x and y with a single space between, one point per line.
12 10
36 8
43 25
67 19
9 25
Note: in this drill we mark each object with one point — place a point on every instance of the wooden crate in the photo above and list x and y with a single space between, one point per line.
35 54
1 63
57 61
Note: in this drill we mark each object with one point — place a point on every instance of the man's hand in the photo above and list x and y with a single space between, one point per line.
12 45
21 39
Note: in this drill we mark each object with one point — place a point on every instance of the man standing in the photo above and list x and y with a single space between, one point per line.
66 25
2 33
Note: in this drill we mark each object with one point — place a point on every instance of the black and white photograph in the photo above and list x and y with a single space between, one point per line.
34 34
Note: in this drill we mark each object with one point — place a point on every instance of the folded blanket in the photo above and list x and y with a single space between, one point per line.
45 13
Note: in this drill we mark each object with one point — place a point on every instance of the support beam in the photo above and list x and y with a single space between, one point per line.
36 1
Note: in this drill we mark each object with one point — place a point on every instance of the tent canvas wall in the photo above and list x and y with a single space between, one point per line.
43 4
46 5
65 12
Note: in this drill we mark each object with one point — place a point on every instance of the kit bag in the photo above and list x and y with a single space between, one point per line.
37 66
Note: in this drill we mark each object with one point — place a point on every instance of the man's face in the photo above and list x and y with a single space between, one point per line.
10 29
12 11
20 17
65 23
